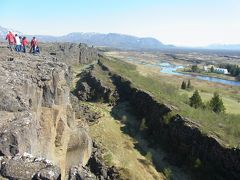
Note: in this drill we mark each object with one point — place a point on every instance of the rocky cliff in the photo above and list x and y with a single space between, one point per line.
182 137
37 118
44 129
70 53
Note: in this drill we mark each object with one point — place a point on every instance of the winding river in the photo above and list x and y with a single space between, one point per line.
172 69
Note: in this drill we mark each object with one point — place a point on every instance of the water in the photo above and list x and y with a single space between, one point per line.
171 69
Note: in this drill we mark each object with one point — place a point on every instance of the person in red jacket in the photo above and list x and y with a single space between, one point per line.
33 45
24 44
11 40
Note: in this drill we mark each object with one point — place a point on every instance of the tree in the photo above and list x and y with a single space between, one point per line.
216 104
212 69
184 85
189 84
195 68
196 100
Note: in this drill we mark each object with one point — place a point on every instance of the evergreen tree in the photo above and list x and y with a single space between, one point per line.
196 100
189 84
216 104
212 69
184 85
195 68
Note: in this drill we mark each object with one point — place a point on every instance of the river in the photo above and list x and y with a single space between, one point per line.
172 69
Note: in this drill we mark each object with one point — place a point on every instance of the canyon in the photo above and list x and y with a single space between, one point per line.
45 118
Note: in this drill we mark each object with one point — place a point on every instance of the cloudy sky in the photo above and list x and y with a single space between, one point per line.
178 22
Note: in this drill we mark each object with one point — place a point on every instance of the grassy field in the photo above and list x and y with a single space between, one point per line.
124 147
119 148
232 105
224 127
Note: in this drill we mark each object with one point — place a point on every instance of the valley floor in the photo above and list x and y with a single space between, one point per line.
127 150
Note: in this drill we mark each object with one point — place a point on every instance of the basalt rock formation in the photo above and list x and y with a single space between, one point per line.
70 53
182 136
37 118
44 128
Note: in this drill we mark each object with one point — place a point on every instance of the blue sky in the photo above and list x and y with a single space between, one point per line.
179 22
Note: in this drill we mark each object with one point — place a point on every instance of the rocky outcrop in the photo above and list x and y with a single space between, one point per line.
182 136
92 88
99 168
81 173
70 53
83 111
37 116
28 167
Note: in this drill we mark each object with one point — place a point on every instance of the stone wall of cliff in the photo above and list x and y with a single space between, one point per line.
182 136
36 113
70 53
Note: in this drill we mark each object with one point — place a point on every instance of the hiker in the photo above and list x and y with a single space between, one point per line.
11 40
33 45
18 43
20 37
37 49
24 44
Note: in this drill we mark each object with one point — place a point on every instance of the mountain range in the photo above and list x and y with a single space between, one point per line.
113 40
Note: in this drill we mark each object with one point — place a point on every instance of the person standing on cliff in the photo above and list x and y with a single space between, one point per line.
24 44
11 40
18 43
33 45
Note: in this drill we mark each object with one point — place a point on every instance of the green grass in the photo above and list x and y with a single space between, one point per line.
231 104
225 127
103 76
119 148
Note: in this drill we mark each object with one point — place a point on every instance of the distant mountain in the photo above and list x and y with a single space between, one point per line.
224 46
110 40
97 39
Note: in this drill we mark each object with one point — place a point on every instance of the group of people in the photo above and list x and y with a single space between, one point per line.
20 44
